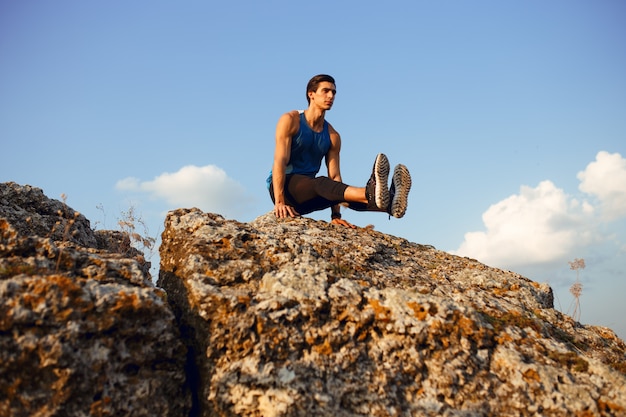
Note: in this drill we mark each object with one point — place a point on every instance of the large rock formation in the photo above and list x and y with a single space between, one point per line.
83 331
302 318
279 318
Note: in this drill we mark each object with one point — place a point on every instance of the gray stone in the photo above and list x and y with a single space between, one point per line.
83 331
31 213
279 318
302 318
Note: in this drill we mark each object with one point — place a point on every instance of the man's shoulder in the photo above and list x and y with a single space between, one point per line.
289 122
332 130
293 113
292 117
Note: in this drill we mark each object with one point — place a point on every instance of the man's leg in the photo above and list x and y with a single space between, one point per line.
313 194
308 194
306 199
304 189
322 192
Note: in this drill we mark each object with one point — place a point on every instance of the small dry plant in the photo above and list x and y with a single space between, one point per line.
135 228
104 218
577 288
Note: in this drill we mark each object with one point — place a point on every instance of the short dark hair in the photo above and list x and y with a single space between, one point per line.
315 82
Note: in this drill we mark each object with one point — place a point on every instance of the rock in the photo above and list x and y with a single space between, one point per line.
279 318
31 213
301 318
83 331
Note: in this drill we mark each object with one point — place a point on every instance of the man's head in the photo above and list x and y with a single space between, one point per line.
315 82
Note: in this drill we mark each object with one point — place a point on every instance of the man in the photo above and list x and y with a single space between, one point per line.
303 139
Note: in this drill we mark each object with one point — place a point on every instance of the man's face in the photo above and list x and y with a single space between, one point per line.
324 96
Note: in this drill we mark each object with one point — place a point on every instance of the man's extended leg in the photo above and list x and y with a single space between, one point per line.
303 189
308 194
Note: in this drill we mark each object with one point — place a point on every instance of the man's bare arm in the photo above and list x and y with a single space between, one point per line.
286 127
332 157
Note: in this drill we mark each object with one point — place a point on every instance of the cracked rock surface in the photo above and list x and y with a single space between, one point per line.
83 331
278 318
301 318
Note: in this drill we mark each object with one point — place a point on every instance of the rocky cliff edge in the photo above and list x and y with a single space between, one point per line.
299 317
83 331
281 318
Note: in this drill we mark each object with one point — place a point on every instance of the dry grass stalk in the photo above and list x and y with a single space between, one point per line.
129 224
577 288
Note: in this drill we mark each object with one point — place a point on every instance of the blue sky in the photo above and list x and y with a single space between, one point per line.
510 115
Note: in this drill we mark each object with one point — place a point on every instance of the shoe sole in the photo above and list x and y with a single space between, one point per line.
402 184
381 174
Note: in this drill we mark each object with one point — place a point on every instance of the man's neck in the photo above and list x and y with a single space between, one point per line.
315 117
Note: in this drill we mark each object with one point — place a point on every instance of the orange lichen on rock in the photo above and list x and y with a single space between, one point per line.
420 311
381 312
531 376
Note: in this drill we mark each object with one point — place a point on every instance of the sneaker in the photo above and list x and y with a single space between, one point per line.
399 192
376 189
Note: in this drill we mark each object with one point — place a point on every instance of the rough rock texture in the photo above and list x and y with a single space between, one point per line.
83 331
301 318
31 213
279 318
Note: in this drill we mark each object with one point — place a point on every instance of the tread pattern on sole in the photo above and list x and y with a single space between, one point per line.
401 184
381 174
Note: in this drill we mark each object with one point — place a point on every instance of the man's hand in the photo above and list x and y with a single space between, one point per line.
283 210
342 222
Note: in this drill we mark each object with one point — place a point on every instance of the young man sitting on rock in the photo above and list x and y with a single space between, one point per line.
303 139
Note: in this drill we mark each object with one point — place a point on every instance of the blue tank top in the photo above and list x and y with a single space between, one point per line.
308 148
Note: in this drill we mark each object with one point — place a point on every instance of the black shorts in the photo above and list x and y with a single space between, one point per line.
308 194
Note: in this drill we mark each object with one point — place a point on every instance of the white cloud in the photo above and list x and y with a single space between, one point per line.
605 178
544 224
538 225
129 183
208 188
